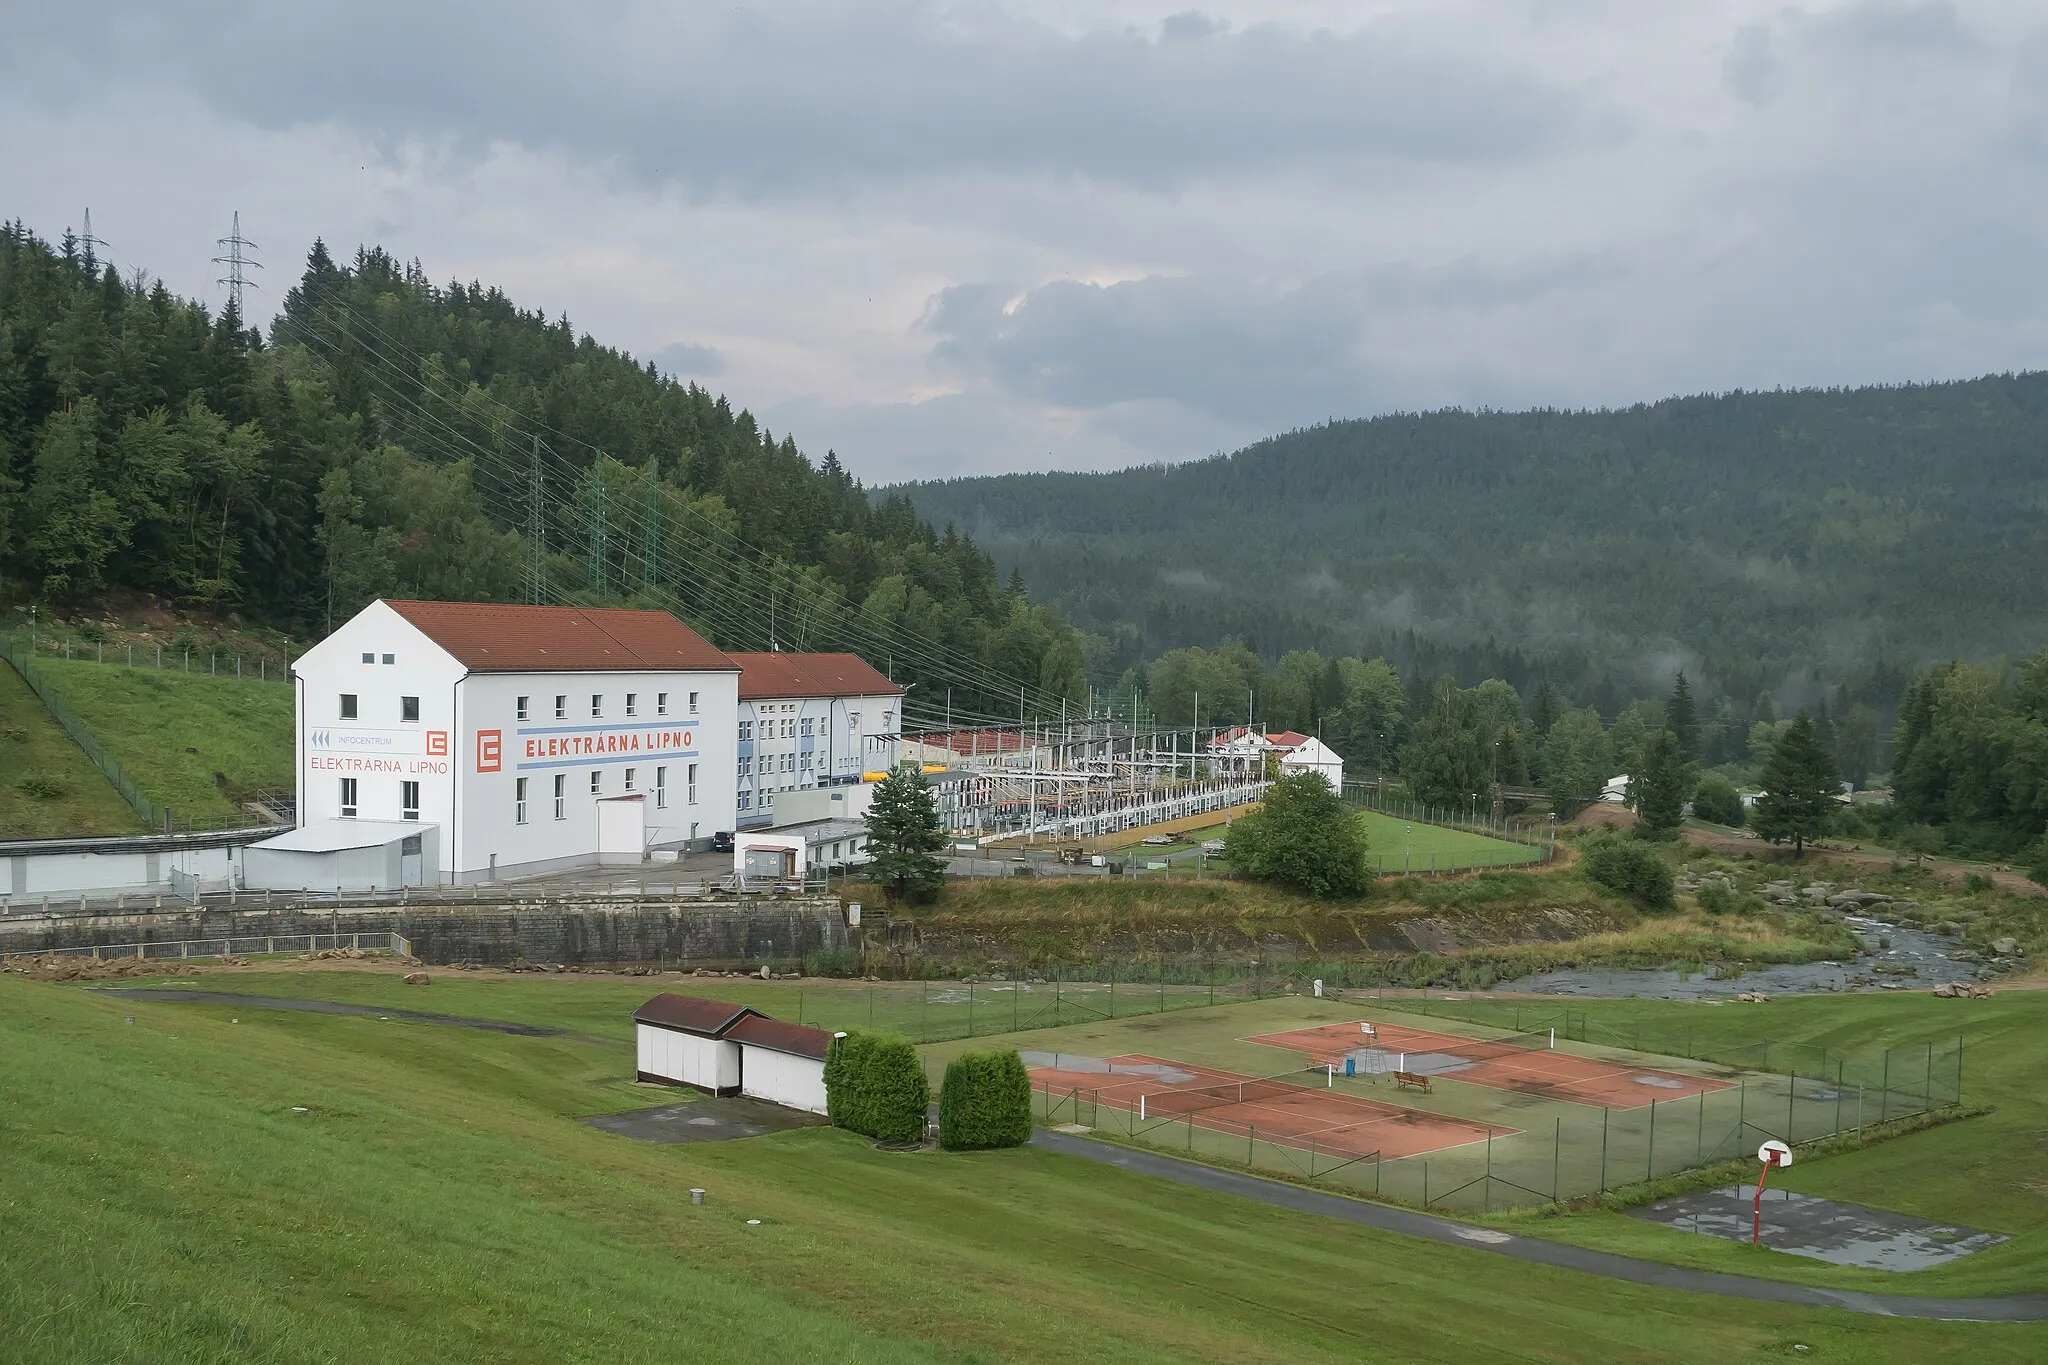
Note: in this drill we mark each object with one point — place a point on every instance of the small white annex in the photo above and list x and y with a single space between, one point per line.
727 1049
1245 752
808 721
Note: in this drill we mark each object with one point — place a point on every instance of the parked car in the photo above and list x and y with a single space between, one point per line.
721 842
1212 845
1158 840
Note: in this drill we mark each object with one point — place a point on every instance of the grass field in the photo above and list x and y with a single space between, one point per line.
438 1201
1398 845
33 745
173 731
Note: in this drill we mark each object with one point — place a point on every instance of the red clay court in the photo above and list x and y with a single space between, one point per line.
1530 1070
1278 1111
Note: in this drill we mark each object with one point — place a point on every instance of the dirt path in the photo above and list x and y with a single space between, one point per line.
1950 873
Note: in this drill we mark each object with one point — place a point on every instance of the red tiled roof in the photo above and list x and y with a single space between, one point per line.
1288 739
710 1018
491 637
758 1030
810 675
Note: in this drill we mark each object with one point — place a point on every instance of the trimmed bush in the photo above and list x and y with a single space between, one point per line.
1630 868
985 1102
875 1086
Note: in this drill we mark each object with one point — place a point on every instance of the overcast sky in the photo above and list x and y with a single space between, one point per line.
963 238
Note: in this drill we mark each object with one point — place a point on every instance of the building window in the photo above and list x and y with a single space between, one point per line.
597 781
519 801
661 788
629 779
348 798
746 730
561 797
789 763
691 795
369 658
348 706
561 707
746 801
523 707
789 728
853 722
887 717
597 704
409 709
745 765
389 659
661 703
632 703
693 703
409 799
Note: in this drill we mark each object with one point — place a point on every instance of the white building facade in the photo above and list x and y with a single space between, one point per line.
530 739
1250 754
808 721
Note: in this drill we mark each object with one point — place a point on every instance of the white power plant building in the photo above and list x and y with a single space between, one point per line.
456 742
808 721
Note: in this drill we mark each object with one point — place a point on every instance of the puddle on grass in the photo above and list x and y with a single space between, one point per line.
1914 960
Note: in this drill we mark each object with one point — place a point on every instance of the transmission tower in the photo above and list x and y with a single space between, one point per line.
93 245
237 260
597 524
650 546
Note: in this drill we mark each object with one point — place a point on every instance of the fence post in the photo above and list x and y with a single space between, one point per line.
970 1009
1927 1087
1884 1094
1791 1098
1604 1115
1650 1156
1556 1141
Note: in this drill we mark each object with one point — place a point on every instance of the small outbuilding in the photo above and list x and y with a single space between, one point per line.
726 1049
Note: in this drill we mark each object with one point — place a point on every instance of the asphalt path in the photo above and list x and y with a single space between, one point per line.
268 1002
2011 1308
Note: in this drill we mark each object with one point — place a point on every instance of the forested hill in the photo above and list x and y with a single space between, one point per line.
1764 532
393 437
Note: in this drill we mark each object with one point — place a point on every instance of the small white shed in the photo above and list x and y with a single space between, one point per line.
726 1049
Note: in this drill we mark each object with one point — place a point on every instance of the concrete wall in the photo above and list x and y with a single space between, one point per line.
55 867
719 934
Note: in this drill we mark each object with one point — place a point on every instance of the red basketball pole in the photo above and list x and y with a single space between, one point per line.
1756 1229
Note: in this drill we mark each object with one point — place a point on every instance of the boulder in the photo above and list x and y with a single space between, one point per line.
2005 947
417 978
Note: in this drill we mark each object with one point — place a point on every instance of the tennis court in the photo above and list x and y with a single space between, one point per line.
1276 1110
1526 1063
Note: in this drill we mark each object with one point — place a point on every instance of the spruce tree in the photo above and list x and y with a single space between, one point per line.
1682 718
1800 784
1545 707
904 837
1659 786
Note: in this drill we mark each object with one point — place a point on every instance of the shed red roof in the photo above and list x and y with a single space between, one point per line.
758 1030
491 637
1288 739
711 1018
810 675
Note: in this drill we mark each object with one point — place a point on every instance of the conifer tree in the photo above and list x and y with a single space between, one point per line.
1682 718
1799 787
904 837
1659 786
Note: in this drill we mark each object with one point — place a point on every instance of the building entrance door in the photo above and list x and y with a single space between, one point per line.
621 827
410 871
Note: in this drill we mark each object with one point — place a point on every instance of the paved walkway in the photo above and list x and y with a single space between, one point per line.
2012 1308
269 1002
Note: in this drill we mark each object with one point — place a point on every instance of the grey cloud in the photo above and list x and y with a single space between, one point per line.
1245 352
1750 71
687 360
715 98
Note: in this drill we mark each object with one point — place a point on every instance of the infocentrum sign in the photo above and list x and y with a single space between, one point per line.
575 747
417 752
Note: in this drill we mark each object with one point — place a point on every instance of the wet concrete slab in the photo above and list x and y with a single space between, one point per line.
705 1119
1825 1229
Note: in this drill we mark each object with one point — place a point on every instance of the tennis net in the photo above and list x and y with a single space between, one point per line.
1486 1049
1194 1099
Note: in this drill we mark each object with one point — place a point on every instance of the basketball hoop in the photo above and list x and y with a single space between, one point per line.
1365 1027
1772 1153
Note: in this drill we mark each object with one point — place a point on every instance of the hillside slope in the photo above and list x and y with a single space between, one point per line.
48 788
1764 532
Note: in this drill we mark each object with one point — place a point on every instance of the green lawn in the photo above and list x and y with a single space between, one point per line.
173 732
438 1201
33 745
1399 845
